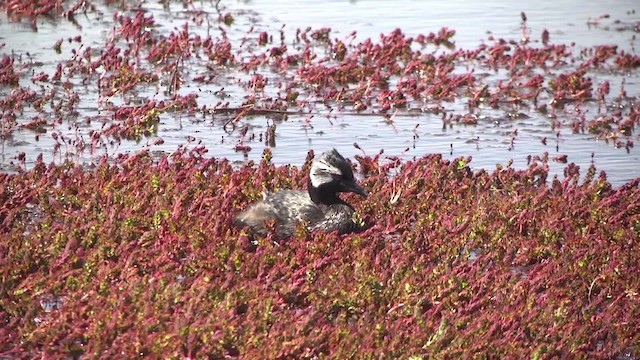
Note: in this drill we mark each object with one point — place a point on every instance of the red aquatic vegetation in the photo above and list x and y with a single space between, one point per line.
627 61
136 254
443 37
263 38
220 52
574 86
136 120
312 72
32 8
8 75
18 9
121 257
257 82
615 126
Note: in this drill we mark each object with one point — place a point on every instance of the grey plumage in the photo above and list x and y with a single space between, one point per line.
319 207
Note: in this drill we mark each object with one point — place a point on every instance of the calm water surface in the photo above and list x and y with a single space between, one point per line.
495 139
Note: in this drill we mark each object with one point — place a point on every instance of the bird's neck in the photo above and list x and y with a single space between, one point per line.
323 194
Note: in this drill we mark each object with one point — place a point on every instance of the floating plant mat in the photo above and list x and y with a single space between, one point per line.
120 259
111 78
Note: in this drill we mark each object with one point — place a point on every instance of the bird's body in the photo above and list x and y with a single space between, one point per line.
319 207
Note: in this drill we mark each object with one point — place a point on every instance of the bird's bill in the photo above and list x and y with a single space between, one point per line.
355 188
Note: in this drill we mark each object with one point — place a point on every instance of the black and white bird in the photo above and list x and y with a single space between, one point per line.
319 207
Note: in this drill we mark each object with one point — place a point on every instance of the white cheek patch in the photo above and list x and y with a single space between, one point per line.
321 173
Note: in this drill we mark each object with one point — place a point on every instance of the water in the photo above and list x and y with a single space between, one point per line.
471 20
495 139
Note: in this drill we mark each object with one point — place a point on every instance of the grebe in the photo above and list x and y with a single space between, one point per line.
319 207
